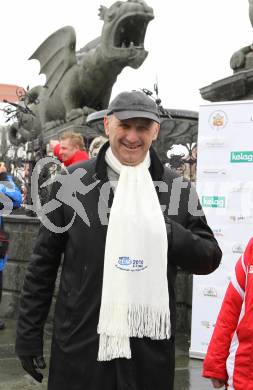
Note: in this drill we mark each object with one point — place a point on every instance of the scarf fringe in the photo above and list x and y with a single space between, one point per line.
123 321
113 348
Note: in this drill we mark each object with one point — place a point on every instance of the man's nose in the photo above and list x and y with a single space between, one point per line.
132 135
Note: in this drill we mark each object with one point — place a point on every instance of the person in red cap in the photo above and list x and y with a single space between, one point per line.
70 149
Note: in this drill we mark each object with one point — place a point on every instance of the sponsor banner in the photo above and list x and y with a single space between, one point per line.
218 232
208 298
233 248
212 143
238 247
218 120
240 187
241 156
225 158
213 201
211 291
207 159
212 173
234 218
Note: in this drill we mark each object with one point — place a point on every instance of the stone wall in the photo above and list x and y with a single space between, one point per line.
23 232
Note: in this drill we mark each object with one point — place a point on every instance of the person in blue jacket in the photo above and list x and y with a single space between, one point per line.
10 198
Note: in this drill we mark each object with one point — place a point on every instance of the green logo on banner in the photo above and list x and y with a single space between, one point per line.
213 201
241 157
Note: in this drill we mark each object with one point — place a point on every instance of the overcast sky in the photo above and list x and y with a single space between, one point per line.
190 43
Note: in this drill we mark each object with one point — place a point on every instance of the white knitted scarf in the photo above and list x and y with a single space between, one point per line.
135 299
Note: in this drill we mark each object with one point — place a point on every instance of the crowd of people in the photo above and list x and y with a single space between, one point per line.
115 315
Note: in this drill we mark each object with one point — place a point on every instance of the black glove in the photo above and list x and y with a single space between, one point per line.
30 365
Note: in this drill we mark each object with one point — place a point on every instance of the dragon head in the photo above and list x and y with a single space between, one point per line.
124 30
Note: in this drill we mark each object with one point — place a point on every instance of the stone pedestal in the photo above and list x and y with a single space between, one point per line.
239 86
23 231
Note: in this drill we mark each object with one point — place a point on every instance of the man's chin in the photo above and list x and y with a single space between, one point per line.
130 157
131 160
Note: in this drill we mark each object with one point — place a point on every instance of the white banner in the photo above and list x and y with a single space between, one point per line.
225 189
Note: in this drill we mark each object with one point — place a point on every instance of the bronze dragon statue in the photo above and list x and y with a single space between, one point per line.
79 83
243 58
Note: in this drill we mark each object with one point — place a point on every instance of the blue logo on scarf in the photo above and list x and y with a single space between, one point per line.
127 264
124 261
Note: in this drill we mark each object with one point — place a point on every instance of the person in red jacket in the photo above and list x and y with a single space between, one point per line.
228 361
70 149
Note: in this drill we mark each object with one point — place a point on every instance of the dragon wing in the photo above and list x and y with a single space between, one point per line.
56 55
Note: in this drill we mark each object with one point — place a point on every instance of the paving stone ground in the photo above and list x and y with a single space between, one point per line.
13 377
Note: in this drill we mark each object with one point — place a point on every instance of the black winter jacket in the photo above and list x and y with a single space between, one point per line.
74 364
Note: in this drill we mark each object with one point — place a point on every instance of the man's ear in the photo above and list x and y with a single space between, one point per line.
157 129
106 122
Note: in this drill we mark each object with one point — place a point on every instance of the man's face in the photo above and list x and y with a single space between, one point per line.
67 149
130 139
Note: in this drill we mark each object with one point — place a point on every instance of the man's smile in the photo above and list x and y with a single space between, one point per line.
131 147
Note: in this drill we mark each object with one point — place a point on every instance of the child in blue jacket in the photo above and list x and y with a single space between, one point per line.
10 198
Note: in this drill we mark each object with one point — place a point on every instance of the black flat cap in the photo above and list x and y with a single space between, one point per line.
135 104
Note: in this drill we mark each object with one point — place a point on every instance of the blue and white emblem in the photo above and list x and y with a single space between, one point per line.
125 263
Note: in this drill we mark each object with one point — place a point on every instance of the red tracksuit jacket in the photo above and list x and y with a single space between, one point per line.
230 352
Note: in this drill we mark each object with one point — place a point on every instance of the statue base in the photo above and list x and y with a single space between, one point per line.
239 86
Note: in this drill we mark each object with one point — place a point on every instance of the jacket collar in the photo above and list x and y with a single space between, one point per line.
156 168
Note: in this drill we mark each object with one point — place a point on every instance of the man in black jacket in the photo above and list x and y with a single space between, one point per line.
115 330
